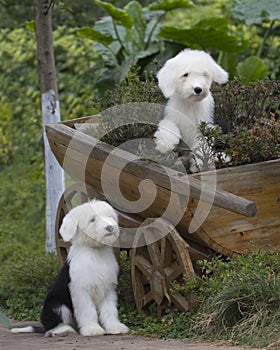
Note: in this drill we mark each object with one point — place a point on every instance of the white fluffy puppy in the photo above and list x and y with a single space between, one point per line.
185 81
83 296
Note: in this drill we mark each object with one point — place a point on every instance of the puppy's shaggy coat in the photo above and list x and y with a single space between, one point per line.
83 295
185 81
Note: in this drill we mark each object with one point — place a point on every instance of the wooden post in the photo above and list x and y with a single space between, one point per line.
50 112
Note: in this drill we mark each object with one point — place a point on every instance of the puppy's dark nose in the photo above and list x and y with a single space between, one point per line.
110 228
198 90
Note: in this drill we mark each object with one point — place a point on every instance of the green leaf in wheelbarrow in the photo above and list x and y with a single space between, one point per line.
5 321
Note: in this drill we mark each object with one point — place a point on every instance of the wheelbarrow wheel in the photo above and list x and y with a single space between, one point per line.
155 266
74 195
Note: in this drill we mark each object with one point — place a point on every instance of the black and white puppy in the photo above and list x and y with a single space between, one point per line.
83 296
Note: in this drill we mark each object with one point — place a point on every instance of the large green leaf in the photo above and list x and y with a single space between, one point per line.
253 68
120 16
106 26
108 54
135 11
136 33
151 50
209 33
168 5
92 34
254 12
212 23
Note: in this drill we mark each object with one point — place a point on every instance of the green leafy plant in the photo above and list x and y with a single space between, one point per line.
264 14
210 33
26 270
132 89
224 36
127 37
249 116
244 144
258 143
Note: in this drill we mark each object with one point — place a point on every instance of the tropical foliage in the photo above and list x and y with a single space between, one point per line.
127 37
137 34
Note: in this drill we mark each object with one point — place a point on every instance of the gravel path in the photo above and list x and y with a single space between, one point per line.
9 341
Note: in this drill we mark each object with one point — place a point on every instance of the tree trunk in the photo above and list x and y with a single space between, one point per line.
50 112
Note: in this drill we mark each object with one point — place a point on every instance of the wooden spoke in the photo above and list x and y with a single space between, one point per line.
157 265
143 265
154 253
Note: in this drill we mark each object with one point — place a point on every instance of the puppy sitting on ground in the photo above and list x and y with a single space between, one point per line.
185 81
83 296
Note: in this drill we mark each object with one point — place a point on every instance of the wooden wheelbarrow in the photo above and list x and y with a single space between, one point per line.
189 217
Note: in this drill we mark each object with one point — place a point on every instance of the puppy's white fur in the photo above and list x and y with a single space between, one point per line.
185 81
91 282
93 267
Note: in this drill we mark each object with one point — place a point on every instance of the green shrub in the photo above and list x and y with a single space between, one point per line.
24 282
239 298
132 89
237 104
250 116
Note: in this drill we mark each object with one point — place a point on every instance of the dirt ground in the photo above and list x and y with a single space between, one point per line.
9 341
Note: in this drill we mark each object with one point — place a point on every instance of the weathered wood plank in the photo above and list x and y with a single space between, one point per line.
229 232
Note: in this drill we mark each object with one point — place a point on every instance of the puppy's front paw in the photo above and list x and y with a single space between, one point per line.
91 331
117 328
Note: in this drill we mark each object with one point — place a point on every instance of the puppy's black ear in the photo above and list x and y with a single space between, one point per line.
69 226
